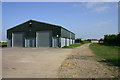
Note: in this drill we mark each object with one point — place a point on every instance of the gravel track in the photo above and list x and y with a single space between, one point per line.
82 63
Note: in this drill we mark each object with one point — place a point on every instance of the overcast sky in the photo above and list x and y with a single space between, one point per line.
85 19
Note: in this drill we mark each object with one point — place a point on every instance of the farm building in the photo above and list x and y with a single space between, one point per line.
93 40
39 34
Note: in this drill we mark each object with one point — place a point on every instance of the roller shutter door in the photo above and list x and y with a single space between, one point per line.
55 42
18 39
68 42
43 39
62 42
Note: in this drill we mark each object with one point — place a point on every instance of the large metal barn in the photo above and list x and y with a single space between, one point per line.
39 34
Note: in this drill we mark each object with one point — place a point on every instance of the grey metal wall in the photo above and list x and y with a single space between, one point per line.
9 43
43 39
72 36
56 42
67 34
30 43
18 39
31 29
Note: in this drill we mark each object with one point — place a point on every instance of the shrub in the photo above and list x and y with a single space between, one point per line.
112 39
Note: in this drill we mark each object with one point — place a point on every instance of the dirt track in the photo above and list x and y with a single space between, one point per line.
82 63
53 63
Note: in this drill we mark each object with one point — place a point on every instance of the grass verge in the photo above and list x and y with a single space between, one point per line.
76 44
109 53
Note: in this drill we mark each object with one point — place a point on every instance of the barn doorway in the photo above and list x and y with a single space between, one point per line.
43 38
18 39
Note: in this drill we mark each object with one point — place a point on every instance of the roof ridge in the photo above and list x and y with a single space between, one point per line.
41 22
44 23
52 24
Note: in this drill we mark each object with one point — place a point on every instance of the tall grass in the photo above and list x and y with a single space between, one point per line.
110 53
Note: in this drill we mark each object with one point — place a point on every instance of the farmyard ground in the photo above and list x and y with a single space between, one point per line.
42 62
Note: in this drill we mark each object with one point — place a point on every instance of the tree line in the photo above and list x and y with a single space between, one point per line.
112 39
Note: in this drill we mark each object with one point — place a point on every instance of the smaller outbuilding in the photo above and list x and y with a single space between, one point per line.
93 40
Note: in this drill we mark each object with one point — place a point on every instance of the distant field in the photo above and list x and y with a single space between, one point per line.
110 53
76 44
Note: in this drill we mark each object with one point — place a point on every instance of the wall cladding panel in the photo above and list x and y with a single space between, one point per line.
65 33
9 43
29 42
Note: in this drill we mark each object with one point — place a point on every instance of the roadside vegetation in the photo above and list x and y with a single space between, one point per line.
76 44
109 49
108 53
112 39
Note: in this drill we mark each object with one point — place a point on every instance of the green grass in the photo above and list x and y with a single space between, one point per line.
110 53
76 44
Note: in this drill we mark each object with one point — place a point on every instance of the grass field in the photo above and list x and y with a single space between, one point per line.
76 44
110 53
